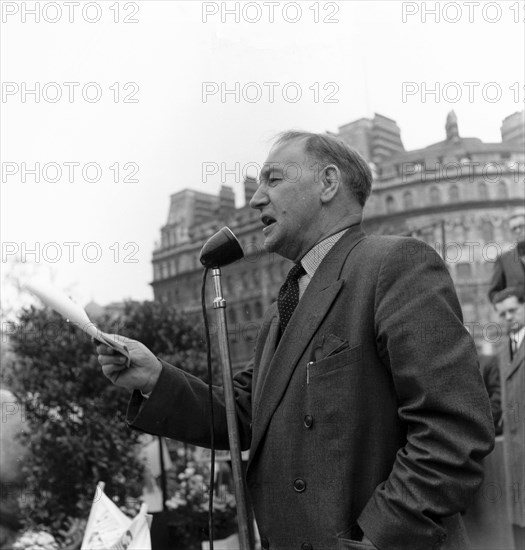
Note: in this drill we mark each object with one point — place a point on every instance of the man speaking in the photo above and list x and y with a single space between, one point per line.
363 407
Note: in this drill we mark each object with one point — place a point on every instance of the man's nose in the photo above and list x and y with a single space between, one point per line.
259 199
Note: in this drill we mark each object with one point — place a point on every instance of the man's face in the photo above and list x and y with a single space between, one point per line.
512 313
517 227
288 198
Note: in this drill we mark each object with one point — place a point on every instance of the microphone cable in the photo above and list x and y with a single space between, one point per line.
210 405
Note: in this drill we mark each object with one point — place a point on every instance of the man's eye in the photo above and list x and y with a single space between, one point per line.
273 181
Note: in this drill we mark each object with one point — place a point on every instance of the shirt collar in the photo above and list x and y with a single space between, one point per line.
517 336
313 258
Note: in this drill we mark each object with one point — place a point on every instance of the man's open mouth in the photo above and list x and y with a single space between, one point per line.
267 221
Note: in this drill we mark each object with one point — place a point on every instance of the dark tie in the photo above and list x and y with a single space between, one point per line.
289 295
513 345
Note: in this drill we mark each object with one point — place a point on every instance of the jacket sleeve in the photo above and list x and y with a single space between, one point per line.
491 378
441 399
178 408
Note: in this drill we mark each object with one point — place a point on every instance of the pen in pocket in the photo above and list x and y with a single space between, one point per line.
308 365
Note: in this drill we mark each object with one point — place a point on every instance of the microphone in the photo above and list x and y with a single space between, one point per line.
221 249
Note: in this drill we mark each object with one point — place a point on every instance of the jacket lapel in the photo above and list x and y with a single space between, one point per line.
517 360
269 345
314 305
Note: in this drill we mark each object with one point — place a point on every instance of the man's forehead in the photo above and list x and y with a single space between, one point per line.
284 154
288 149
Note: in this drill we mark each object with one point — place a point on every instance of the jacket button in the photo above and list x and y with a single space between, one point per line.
306 546
264 543
299 485
308 421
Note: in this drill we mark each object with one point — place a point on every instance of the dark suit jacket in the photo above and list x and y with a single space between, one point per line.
489 367
513 401
371 408
509 271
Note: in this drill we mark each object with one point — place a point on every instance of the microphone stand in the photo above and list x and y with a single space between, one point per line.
219 304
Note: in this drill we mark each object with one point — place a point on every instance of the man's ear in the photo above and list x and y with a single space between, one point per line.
331 181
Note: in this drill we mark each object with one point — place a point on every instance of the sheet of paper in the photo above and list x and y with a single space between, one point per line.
62 304
74 313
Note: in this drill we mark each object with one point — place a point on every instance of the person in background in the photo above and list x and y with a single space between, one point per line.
489 368
509 268
510 306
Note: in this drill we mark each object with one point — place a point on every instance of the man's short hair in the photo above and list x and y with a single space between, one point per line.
507 293
326 149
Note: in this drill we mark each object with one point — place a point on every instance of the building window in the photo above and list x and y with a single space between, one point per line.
453 193
245 281
390 204
502 190
185 264
232 329
459 233
258 310
247 312
487 231
408 200
483 191
435 195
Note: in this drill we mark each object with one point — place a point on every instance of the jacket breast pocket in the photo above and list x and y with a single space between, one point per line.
334 362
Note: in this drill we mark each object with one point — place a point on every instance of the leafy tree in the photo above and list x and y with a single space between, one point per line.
75 426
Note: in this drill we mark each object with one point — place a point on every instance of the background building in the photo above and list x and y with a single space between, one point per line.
456 195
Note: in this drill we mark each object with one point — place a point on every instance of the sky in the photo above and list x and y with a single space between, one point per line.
107 108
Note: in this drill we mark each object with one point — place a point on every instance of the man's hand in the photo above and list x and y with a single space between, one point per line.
143 372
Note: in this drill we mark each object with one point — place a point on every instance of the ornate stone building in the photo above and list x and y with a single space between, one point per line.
456 195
